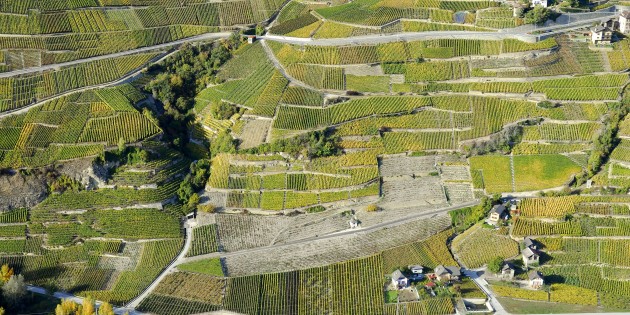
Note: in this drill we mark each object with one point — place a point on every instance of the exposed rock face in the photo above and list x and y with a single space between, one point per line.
89 174
20 191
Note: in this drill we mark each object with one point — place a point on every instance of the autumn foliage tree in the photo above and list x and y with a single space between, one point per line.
5 273
69 307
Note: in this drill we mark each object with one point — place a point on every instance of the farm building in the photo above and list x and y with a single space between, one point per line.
536 279
530 257
624 22
416 269
399 280
497 213
507 271
447 273
530 243
601 35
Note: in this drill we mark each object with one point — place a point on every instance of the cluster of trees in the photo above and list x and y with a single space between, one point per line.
605 142
193 182
535 15
223 110
69 307
503 141
179 78
311 145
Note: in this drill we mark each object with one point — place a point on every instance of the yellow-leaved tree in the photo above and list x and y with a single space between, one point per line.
69 307
5 273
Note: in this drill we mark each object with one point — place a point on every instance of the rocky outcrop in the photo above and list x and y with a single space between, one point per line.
91 175
22 191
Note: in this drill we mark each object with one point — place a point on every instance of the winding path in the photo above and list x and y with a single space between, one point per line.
207 36
169 269
521 33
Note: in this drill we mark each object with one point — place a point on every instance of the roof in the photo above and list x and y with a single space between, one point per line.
397 275
507 266
416 267
528 241
534 274
529 252
499 209
452 270
599 29
626 14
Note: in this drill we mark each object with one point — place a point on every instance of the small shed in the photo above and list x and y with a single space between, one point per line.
251 39
354 223
536 280
507 271
416 269
530 256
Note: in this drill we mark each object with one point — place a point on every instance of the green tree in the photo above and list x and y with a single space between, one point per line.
223 110
193 202
260 30
223 143
495 264
121 145
537 15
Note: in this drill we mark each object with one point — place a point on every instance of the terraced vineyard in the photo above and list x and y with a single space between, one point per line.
142 158
586 265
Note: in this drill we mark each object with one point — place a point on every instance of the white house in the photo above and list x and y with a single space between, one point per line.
624 22
542 3
497 213
601 35
399 280
536 279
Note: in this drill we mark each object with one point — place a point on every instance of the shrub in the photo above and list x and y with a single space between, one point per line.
372 208
208 208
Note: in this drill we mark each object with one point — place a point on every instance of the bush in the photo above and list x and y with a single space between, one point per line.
547 105
207 208
223 110
372 208
315 209
495 264
537 15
